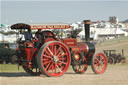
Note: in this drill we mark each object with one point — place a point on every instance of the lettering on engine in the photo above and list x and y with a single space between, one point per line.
70 42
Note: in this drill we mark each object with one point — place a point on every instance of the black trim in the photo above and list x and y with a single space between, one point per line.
20 26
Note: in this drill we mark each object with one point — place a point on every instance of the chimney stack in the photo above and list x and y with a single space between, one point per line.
87 30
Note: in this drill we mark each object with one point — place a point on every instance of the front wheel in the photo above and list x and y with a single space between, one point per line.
99 63
53 59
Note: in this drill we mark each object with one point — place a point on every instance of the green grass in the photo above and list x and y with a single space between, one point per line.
14 68
10 68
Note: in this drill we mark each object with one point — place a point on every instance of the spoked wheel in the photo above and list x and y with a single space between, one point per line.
99 63
79 67
53 59
122 60
111 60
32 71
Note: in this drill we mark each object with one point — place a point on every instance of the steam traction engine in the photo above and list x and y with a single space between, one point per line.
53 56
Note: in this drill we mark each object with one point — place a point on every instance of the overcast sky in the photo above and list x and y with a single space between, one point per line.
42 11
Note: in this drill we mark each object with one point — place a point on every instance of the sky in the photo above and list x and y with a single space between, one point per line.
67 11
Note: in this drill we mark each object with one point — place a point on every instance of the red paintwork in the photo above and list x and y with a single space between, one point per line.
74 46
70 42
28 49
30 52
81 47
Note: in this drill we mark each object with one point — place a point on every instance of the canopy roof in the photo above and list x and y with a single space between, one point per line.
42 26
20 26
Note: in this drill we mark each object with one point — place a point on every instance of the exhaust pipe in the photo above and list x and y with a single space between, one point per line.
87 30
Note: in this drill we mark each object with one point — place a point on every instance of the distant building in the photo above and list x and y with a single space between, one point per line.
113 20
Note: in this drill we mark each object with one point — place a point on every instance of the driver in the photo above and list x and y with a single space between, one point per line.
28 35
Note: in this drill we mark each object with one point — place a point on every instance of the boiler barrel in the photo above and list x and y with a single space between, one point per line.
90 51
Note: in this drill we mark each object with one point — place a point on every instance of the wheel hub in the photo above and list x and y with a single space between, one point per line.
100 63
77 57
55 59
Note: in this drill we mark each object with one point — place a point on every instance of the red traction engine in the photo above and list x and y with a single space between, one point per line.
53 56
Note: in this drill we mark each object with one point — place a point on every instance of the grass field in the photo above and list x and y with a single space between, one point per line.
14 68
10 68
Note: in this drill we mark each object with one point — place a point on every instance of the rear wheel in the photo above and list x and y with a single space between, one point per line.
99 63
53 59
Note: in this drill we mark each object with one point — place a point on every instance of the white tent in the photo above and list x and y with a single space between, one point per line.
102 31
107 32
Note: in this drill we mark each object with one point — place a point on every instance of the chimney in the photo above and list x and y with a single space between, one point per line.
87 30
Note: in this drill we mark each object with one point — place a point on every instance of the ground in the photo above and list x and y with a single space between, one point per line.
116 74
117 45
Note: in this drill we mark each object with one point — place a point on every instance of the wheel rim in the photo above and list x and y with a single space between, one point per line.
55 59
100 63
